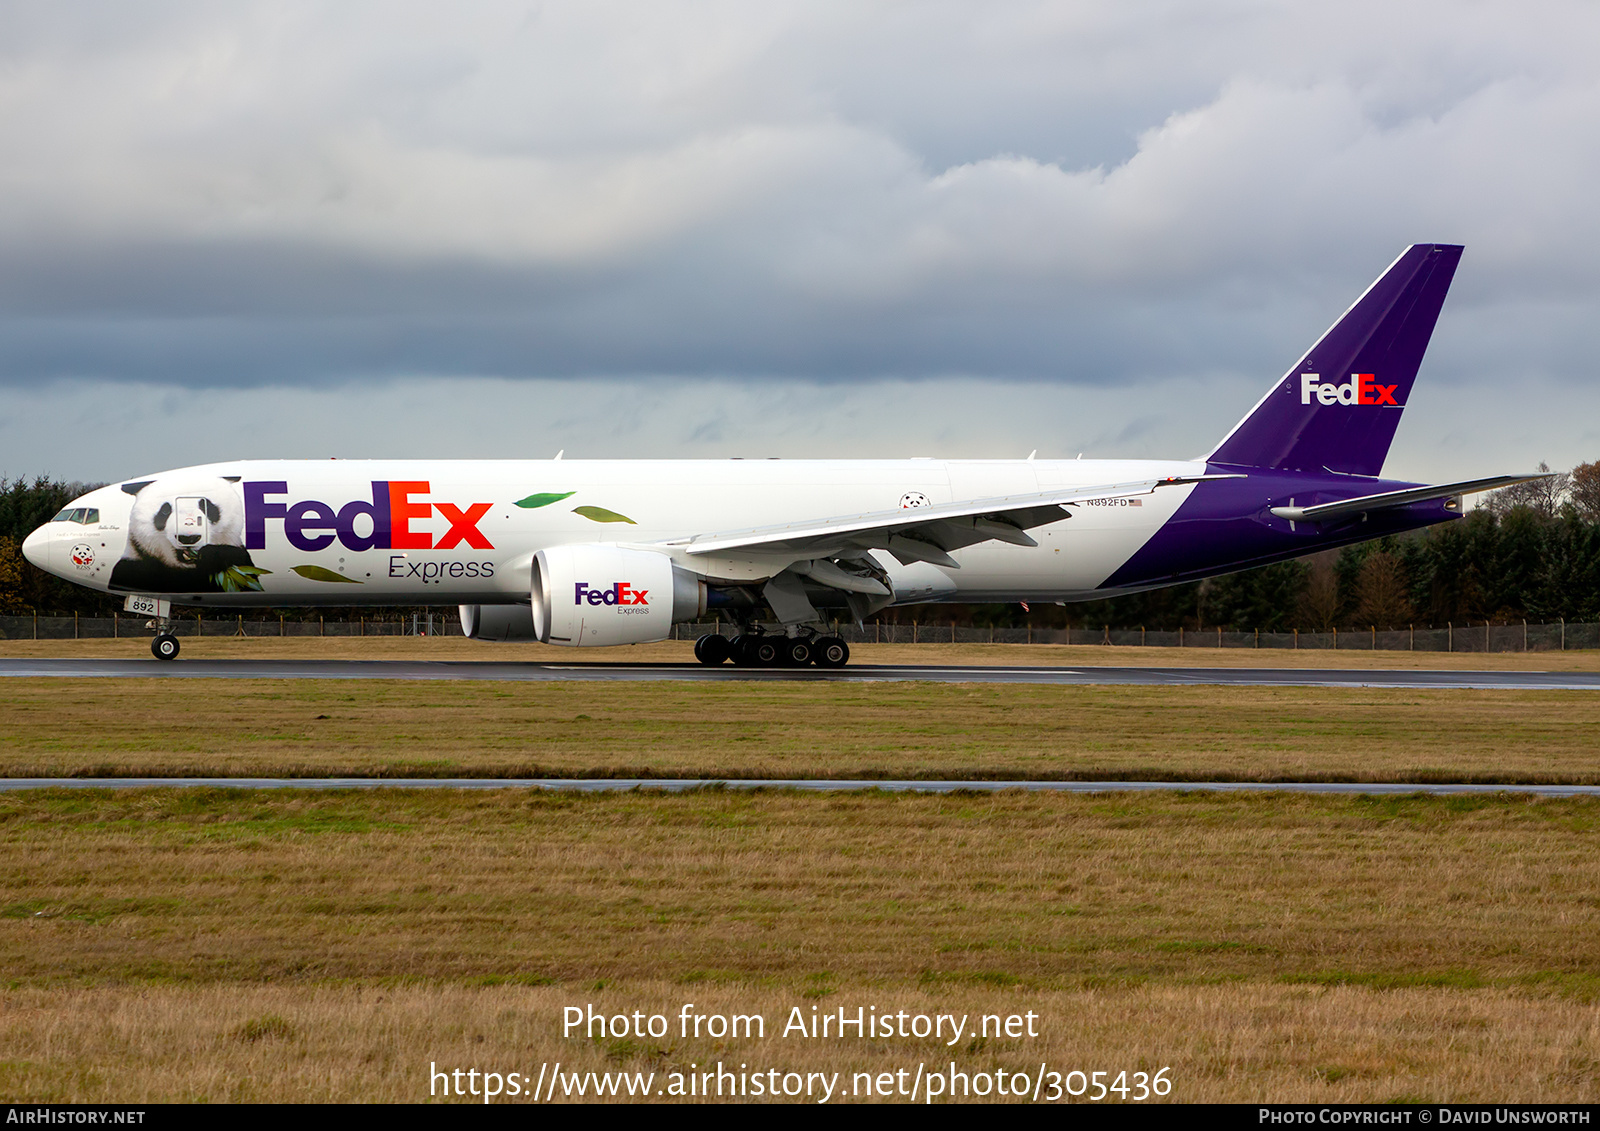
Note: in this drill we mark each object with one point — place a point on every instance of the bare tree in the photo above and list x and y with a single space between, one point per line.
1319 601
1584 490
1543 496
1382 595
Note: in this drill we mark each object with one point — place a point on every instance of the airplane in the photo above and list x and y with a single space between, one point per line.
594 553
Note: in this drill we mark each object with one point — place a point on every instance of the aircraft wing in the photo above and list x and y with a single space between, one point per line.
925 534
1324 512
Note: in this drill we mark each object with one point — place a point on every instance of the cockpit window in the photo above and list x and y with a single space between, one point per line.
84 516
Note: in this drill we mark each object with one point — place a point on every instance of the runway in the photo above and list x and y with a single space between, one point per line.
863 673
816 785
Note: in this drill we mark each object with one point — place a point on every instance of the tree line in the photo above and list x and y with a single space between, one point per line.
1531 552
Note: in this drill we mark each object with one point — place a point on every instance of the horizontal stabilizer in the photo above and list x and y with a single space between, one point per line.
1325 512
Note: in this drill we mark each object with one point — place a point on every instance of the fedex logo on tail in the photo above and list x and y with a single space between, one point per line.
617 593
382 523
1362 388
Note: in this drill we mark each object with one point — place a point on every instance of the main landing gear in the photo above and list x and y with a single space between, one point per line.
758 650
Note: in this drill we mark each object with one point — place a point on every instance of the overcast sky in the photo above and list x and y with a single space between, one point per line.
625 229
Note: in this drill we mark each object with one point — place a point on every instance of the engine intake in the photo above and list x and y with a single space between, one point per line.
595 595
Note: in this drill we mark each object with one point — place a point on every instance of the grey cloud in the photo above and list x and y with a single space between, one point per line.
1112 199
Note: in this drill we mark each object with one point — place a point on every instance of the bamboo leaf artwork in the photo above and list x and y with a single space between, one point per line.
317 573
544 499
600 514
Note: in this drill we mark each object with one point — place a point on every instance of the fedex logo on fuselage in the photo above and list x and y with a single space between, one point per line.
1362 388
381 523
617 593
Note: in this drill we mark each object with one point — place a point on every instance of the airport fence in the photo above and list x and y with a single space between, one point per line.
1469 637
218 624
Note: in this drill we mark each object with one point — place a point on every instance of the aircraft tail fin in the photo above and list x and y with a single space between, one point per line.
1338 408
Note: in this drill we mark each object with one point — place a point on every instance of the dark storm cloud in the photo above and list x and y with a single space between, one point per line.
1122 198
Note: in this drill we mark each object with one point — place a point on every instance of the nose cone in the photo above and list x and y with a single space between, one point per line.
36 548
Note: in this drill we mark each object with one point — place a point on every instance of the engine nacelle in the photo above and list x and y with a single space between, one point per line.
595 595
498 623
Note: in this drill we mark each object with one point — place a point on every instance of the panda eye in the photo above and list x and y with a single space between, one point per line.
161 516
213 512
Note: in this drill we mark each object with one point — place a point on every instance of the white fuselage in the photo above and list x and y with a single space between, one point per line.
309 533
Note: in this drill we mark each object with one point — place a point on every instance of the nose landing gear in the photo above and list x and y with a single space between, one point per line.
164 646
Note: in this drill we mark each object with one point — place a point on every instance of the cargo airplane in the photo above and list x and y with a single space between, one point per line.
591 553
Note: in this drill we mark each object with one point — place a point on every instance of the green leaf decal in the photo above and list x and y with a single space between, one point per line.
240 579
600 514
543 500
317 573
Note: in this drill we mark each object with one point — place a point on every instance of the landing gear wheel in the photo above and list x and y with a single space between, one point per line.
764 651
798 652
738 651
712 649
164 646
832 652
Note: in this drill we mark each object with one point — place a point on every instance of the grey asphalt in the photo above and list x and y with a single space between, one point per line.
856 673
679 785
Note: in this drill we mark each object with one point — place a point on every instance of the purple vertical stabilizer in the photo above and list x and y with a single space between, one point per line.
1338 408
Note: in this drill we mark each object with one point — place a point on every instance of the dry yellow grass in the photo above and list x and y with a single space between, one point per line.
51 727
1047 655
163 945
1225 1043
1047 891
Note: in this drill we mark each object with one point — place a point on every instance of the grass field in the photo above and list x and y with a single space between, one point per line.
163 944
57 727
215 945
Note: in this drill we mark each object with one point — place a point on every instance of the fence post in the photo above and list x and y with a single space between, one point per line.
280 625
321 630
952 632
914 632
1563 634
74 625
1180 636
1374 647
1485 638
877 632
1413 629
1297 640
1524 634
1030 632
36 626
1258 638
1450 635
1335 638
115 631
1141 636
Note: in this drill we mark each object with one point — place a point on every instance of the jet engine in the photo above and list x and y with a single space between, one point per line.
598 594
499 623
